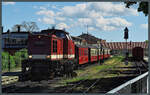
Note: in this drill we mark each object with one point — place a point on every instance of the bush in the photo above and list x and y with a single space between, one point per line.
12 62
15 60
19 56
4 60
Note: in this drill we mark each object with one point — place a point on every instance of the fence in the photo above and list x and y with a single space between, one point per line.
136 85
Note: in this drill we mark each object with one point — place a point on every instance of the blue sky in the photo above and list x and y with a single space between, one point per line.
105 20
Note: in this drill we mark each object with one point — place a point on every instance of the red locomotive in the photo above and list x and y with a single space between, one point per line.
53 52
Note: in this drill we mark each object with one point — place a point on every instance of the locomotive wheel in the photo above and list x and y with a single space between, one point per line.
68 69
59 68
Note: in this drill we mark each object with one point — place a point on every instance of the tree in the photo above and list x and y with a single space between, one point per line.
15 27
30 26
26 26
143 6
146 41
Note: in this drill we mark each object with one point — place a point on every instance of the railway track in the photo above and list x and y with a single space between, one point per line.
139 69
9 79
29 87
51 86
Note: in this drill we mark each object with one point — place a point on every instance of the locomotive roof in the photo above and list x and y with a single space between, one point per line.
53 31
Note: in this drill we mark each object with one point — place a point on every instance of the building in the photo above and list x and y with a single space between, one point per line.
122 47
90 39
79 40
15 40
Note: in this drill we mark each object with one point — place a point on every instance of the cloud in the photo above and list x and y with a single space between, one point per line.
76 11
92 29
145 26
95 15
9 3
45 12
109 24
47 20
112 9
98 9
85 21
62 26
60 18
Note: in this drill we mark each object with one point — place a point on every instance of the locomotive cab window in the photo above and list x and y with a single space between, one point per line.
61 35
54 46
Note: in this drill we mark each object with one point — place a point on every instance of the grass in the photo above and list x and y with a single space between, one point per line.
12 69
99 71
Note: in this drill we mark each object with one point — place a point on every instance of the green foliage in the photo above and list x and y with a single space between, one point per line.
19 56
146 41
143 6
4 60
12 62
15 60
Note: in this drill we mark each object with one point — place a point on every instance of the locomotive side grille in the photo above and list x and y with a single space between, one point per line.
69 56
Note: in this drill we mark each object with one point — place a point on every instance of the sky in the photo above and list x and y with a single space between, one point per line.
105 20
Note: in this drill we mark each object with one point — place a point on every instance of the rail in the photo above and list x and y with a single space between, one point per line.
91 86
9 79
128 83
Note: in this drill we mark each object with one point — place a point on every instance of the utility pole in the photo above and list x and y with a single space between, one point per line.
87 29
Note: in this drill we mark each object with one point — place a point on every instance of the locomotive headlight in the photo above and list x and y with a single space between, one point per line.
30 56
39 37
48 56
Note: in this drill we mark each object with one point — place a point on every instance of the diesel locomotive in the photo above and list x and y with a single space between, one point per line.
53 52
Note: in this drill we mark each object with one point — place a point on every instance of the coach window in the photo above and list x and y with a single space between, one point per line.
85 52
54 46
80 52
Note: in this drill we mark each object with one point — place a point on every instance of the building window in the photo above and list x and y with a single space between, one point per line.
54 46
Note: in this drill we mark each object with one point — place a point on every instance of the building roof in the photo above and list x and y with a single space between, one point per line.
89 38
14 32
122 45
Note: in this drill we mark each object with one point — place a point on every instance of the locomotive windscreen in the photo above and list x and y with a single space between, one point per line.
39 43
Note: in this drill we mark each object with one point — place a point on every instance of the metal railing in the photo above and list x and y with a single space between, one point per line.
136 85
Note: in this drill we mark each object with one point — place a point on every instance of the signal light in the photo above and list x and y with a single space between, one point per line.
30 56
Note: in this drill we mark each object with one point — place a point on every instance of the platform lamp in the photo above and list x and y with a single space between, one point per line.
126 37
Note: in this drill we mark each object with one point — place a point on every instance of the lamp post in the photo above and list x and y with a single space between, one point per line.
126 37
8 51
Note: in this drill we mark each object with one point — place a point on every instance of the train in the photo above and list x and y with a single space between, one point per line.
53 52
